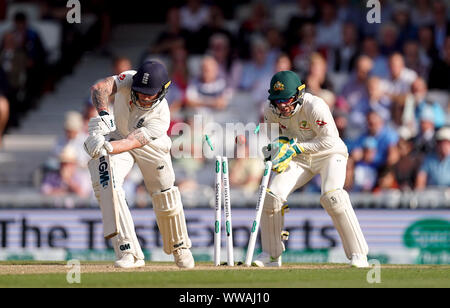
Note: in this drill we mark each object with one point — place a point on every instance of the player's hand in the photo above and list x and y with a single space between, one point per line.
273 149
102 125
281 162
281 152
94 145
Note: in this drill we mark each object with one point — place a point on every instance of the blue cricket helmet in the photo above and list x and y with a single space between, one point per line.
151 78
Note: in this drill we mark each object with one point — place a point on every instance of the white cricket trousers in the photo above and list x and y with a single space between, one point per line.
332 169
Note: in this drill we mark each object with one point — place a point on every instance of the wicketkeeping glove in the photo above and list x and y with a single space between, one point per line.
273 149
285 150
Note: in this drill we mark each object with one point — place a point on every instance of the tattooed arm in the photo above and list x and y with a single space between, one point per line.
101 92
136 139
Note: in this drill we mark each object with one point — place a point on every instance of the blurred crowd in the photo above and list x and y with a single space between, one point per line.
30 66
387 84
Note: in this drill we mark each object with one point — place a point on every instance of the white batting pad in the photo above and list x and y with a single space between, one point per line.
272 221
338 206
170 218
117 221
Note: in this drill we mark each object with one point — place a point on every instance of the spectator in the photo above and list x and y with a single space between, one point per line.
172 33
178 67
317 72
435 170
230 68
420 91
440 70
344 56
13 71
306 12
245 171
354 99
257 66
377 100
407 165
407 31
386 138
356 87
89 111
422 13
441 26
74 136
424 141
347 11
388 37
253 27
275 41
191 168
69 179
329 28
301 52
414 60
365 169
371 49
29 41
427 48
401 78
194 15
386 181
4 116
215 25
341 119
179 75
209 93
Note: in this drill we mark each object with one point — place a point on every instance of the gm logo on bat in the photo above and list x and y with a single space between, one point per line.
103 172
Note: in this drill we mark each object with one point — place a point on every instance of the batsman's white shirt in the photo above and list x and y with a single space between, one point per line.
324 152
153 159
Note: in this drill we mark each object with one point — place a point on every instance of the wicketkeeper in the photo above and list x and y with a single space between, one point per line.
309 145
136 134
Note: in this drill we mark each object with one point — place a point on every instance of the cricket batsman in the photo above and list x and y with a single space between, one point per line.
136 133
309 145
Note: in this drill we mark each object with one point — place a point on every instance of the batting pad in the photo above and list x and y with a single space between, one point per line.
272 221
170 218
338 206
117 221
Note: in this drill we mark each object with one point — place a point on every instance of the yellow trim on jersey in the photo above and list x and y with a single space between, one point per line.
167 84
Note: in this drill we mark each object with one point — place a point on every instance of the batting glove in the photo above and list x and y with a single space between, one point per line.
96 145
102 125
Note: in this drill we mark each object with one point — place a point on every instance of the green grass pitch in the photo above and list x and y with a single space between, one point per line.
205 275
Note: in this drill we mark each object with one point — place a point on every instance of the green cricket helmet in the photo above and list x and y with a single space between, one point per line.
286 86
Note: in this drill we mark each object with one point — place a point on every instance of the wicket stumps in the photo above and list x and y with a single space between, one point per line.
259 208
222 175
